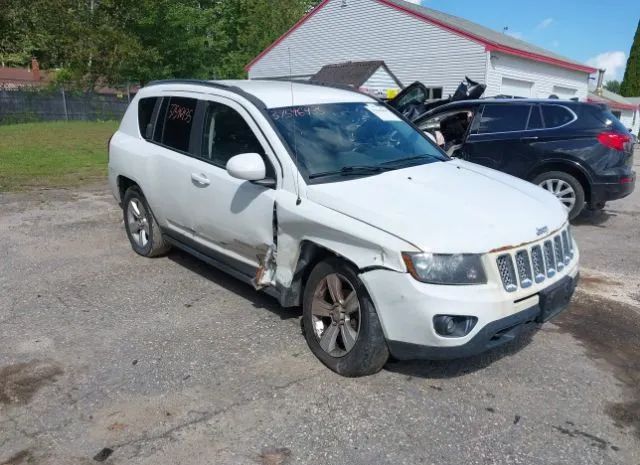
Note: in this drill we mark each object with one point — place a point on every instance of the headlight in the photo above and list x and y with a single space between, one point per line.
445 268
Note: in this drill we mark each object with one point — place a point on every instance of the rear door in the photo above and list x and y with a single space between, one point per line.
169 167
505 137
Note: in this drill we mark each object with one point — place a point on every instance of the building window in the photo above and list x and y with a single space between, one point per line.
435 93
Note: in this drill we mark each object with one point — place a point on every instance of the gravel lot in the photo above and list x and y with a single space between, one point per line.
168 361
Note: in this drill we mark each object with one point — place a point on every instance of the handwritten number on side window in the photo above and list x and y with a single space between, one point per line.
180 113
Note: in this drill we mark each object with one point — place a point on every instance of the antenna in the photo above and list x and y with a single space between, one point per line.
295 145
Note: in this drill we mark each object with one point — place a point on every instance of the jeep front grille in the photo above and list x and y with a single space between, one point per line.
507 273
537 262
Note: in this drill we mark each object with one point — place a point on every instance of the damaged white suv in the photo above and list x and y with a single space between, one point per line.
328 199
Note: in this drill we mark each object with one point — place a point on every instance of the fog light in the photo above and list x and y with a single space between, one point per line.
453 325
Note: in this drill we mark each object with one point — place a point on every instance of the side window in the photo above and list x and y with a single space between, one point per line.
145 112
227 134
556 115
177 115
535 119
504 118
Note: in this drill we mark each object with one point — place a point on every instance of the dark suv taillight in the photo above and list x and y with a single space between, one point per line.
614 140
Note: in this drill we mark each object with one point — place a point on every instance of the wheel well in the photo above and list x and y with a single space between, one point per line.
566 168
124 183
310 255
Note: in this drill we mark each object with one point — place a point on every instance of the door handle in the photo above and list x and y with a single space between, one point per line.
529 138
200 179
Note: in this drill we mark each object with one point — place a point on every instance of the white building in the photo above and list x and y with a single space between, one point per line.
626 109
419 44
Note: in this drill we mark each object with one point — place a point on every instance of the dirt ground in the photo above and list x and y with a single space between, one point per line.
107 356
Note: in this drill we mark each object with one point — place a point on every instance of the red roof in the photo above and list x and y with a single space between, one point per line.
488 38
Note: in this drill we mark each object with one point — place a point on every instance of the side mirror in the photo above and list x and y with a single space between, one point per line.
247 166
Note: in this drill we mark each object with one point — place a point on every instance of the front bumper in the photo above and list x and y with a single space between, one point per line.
494 334
406 309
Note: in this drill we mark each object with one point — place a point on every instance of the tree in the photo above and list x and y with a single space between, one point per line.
630 86
613 86
111 42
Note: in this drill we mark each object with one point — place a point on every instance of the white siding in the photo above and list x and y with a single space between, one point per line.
413 49
544 76
626 118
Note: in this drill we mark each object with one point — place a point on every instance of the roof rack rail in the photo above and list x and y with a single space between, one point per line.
215 85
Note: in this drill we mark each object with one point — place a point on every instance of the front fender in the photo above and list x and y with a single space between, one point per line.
362 244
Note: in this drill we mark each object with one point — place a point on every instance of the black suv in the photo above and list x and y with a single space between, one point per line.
579 151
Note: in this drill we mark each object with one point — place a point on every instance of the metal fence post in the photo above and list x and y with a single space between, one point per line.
64 104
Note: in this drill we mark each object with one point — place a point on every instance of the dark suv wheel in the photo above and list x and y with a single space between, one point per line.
564 186
340 321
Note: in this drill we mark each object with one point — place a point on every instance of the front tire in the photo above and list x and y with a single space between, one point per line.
340 322
142 229
566 188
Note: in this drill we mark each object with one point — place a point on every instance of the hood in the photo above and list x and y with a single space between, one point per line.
446 207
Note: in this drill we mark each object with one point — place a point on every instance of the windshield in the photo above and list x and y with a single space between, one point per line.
351 139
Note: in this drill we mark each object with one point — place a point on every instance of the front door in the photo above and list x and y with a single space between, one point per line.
230 216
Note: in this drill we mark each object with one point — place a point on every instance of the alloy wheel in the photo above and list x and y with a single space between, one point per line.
562 190
138 222
335 313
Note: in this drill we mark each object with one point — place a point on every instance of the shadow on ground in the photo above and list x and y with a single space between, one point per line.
257 298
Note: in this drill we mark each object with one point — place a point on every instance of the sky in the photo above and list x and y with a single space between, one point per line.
596 32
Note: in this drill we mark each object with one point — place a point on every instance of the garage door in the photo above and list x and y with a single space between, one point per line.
564 92
516 87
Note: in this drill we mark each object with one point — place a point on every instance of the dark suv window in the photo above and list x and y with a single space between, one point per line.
504 118
177 114
145 112
556 115
226 134
535 119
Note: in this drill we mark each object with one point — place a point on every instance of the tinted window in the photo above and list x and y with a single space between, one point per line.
592 116
226 134
556 115
535 120
502 118
145 112
178 120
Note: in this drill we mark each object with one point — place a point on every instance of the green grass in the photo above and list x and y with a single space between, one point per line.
53 154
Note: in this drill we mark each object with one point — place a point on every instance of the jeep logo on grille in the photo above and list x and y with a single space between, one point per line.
542 230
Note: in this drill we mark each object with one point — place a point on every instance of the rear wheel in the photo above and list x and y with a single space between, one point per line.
566 188
142 229
341 325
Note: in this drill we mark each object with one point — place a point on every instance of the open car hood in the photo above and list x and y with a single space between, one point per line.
412 101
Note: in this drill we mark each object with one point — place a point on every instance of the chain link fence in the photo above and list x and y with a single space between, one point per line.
29 105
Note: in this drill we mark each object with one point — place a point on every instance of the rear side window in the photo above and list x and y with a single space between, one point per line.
593 116
177 115
145 113
504 118
556 115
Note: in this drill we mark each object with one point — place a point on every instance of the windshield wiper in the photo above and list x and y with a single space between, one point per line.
357 170
402 160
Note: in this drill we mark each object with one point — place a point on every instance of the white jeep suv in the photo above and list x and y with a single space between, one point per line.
328 199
